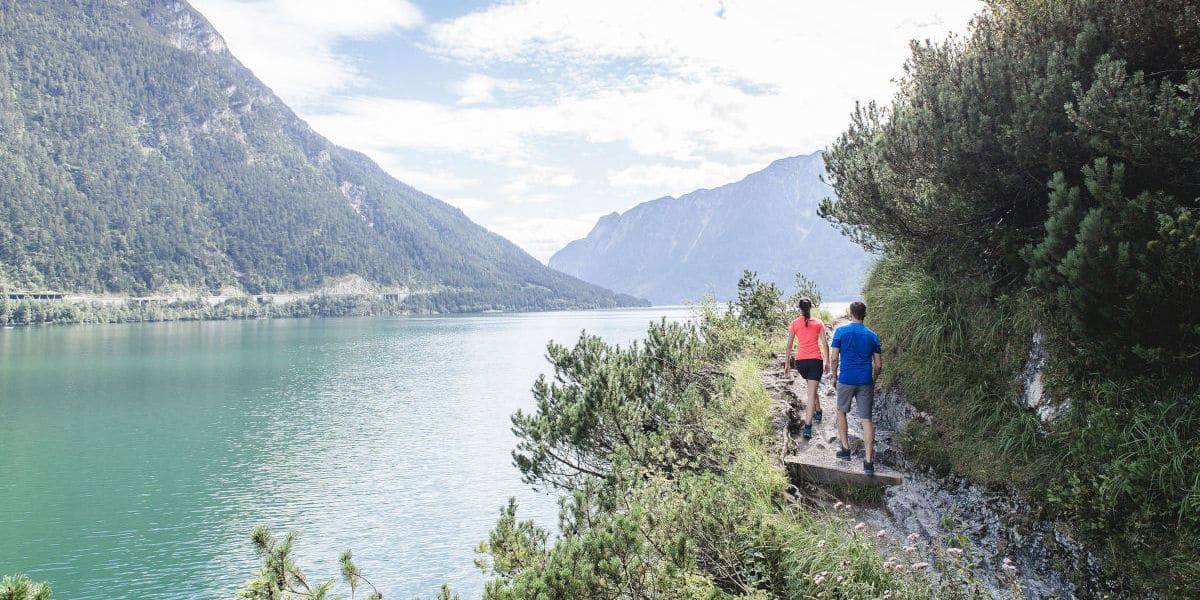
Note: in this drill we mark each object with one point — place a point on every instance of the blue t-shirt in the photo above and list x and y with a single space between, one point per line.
856 345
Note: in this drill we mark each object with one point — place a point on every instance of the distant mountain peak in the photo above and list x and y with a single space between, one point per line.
673 250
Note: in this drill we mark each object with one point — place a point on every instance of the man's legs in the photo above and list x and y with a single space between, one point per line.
845 393
864 403
841 426
869 437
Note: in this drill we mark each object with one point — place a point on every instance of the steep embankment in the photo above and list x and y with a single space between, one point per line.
140 154
1007 546
1035 180
675 250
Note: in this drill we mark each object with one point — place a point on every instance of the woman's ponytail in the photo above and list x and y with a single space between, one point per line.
805 305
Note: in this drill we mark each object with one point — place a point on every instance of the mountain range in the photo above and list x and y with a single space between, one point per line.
139 154
676 250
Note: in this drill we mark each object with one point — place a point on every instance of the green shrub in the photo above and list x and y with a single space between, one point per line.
20 587
664 507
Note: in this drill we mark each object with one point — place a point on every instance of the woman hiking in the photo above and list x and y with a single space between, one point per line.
806 332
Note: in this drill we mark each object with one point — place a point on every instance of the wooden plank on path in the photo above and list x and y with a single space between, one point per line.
815 468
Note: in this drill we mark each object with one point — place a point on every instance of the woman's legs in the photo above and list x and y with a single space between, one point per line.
814 403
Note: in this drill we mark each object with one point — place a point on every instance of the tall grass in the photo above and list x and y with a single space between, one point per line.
1122 466
955 355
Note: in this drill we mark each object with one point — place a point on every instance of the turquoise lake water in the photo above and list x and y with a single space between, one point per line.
135 459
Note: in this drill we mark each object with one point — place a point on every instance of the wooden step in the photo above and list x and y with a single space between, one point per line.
825 468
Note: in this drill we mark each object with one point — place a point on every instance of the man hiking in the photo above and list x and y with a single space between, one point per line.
856 349
806 332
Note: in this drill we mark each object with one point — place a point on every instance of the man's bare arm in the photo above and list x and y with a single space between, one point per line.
834 354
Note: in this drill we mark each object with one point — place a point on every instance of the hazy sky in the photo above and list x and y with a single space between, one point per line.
536 117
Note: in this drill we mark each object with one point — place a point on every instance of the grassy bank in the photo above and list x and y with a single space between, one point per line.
1119 466
33 312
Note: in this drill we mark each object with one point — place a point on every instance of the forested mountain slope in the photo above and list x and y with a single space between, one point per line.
675 250
138 153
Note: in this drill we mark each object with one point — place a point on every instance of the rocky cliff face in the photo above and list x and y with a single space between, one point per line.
183 27
674 250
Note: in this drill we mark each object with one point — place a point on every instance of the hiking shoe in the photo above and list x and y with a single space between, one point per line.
807 432
844 454
868 468
817 417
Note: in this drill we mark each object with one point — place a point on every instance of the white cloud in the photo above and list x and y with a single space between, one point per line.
667 119
678 180
480 89
470 206
383 124
289 44
435 181
543 236
687 78
538 177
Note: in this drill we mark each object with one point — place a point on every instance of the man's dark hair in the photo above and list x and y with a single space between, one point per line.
858 310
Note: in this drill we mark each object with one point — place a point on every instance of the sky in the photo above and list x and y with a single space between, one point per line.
537 117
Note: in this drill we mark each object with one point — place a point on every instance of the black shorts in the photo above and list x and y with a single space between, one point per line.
810 369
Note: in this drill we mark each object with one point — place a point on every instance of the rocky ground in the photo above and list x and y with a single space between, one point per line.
1005 543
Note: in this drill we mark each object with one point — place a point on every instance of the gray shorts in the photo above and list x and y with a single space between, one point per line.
863 396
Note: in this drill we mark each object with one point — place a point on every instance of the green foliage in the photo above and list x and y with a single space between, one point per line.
1083 94
1124 473
1119 466
1121 270
954 352
643 402
661 506
759 303
281 578
805 288
20 587
1039 174
132 164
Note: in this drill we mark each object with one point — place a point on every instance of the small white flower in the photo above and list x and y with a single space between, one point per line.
882 533
821 544
920 566
819 579
954 551
912 537
838 505
861 526
910 549
840 579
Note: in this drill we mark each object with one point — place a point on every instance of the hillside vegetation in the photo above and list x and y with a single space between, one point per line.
1040 176
139 154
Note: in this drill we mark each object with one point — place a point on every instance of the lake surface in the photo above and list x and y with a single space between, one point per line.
135 459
